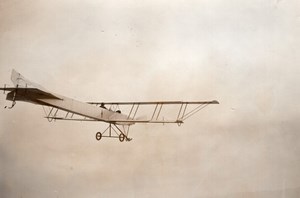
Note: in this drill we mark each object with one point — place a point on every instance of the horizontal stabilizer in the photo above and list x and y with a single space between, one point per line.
26 88
31 92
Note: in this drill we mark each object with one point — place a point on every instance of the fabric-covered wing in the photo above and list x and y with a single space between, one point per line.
155 102
156 111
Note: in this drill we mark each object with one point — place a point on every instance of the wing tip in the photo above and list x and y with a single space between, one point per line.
215 102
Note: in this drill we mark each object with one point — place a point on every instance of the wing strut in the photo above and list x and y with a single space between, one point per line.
134 108
185 115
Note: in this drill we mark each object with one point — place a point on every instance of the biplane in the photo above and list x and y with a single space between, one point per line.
58 107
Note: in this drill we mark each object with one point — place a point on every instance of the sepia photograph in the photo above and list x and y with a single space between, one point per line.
153 98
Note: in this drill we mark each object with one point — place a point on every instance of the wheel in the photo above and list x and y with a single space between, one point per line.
98 136
121 137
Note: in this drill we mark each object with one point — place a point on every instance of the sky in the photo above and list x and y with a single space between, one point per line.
245 54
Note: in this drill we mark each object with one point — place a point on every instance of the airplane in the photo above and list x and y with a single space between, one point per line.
64 108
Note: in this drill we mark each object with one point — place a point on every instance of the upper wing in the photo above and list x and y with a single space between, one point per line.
157 111
155 102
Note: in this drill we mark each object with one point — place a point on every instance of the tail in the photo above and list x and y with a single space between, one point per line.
20 81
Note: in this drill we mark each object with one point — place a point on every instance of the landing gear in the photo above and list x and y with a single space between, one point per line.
98 136
118 133
121 137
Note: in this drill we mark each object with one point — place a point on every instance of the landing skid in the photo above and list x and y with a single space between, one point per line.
12 105
113 131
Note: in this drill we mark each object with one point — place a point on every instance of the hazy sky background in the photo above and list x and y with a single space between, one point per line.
243 53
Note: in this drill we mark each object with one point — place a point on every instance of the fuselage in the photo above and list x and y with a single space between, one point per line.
40 97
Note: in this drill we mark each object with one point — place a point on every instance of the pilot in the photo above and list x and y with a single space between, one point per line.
102 105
